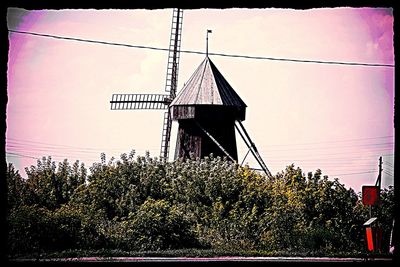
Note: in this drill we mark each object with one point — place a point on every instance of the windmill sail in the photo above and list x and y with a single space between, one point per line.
172 77
139 101
159 101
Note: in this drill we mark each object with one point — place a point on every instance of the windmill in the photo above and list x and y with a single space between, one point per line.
159 101
207 109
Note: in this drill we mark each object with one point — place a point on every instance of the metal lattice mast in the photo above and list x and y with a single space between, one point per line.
172 78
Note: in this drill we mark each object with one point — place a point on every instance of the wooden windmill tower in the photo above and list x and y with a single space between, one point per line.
159 101
207 106
207 109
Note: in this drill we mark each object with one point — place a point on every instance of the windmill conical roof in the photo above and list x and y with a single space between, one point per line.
207 86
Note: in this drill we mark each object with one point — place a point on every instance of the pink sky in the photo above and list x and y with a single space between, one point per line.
334 117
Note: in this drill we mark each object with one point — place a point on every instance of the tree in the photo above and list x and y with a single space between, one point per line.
385 214
148 204
16 188
49 186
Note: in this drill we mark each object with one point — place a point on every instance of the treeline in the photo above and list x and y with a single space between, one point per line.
143 204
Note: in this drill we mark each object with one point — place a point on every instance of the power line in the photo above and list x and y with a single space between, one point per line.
44 149
352 173
336 147
389 169
19 155
202 53
50 148
65 155
25 146
19 144
30 142
16 140
321 158
374 151
65 151
389 174
388 163
13 154
343 162
337 141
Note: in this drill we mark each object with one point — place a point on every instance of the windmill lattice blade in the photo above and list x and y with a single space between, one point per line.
172 77
139 101
174 52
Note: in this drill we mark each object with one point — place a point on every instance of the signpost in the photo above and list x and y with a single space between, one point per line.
371 197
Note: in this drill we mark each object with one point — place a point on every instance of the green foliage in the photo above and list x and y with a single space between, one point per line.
16 188
158 225
50 187
144 204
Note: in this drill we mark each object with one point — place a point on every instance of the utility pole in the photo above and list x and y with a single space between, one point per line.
377 183
371 197
379 179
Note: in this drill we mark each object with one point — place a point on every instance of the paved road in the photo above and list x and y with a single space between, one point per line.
211 259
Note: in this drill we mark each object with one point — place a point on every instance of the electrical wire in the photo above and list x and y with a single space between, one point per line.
370 153
25 146
293 144
387 170
15 141
337 141
12 154
390 174
388 163
59 151
30 142
344 174
202 53
334 147
344 164
388 155
338 163
65 151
